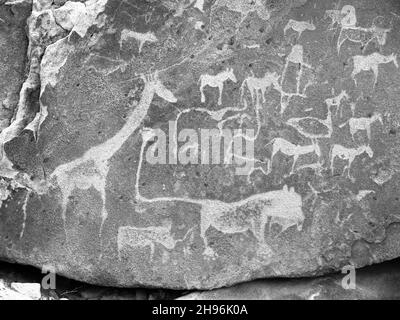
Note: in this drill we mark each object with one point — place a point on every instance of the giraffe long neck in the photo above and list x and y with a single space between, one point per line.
111 146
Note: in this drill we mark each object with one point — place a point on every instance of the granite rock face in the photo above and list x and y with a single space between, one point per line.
109 175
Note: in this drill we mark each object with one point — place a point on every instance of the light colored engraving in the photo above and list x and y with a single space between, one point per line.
252 214
362 194
299 27
24 211
336 17
91 170
372 63
292 150
244 8
148 237
199 25
252 46
296 123
363 124
258 86
347 20
216 81
294 57
199 5
142 38
349 155
337 101
283 207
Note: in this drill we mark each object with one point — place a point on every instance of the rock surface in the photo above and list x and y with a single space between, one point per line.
87 188
380 282
20 291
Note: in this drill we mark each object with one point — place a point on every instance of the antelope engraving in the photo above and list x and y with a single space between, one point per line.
363 124
349 155
292 150
259 86
216 81
372 63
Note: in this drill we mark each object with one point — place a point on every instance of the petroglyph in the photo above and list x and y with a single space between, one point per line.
346 19
24 212
372 63
258 86
199 4
253 214
296 123
337 101
363 124
299 27
349 155
91 170
216 81
336 17
295 57
283 207
244 8
362 194
142 38
133 237
292 150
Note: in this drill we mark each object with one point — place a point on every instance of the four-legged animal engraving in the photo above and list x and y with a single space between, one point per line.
283 207
292 150
91 170
216 81
337 101
363 124
348 155
372 63
259 86
134 237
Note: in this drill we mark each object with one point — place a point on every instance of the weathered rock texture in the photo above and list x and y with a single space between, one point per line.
318 85
379 282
